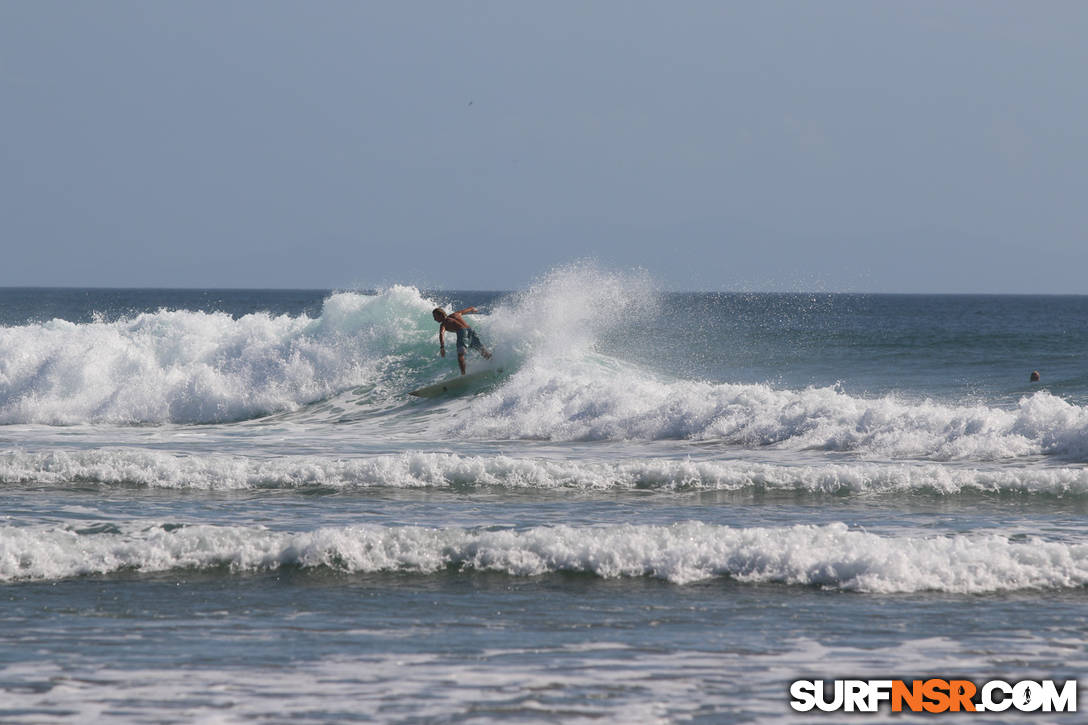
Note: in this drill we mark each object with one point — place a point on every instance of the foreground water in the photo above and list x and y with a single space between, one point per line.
223 507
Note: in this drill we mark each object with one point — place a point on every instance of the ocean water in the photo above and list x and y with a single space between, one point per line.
222 506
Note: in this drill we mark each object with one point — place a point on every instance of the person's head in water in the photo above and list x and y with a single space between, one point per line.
439 314
1034 376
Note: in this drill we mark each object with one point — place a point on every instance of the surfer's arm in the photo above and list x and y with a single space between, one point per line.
466 311
442 340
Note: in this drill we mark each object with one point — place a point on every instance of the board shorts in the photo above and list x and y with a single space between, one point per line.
466 338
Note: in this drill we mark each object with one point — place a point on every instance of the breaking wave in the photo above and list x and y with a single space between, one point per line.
177 366
604 400
561 384
222 472
831 556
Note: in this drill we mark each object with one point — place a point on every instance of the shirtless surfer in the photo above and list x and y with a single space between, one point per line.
466 336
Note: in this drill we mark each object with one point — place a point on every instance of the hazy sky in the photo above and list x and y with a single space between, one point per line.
859 146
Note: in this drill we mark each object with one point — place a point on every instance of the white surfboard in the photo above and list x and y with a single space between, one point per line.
455 384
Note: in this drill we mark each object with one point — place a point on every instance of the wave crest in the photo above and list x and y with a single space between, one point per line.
177 366
831 556
159 469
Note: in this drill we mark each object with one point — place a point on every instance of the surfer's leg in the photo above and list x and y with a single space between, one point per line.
461 347
475 344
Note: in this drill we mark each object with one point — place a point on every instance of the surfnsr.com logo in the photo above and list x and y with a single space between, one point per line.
933 695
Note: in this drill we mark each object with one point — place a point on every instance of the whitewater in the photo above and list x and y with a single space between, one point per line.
223 505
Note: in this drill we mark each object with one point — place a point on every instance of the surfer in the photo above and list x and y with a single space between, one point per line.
466 336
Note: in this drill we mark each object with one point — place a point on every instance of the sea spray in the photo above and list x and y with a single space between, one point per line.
564 314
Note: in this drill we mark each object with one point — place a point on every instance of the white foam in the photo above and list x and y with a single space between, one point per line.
831 556
161 469
598 681
591 399
189 367
184 366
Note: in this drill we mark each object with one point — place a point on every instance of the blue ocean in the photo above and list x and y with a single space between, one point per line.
223 506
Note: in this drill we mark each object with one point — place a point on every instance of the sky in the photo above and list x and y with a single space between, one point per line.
781 146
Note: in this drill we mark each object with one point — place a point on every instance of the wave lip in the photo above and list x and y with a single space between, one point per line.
831 556
160 469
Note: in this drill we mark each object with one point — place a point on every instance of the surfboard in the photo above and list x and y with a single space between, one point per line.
455 384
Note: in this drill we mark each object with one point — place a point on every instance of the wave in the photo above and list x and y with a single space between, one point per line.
560 385
178 366
593 399
830 556
163 470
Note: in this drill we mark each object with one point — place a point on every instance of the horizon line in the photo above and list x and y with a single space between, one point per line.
372 290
